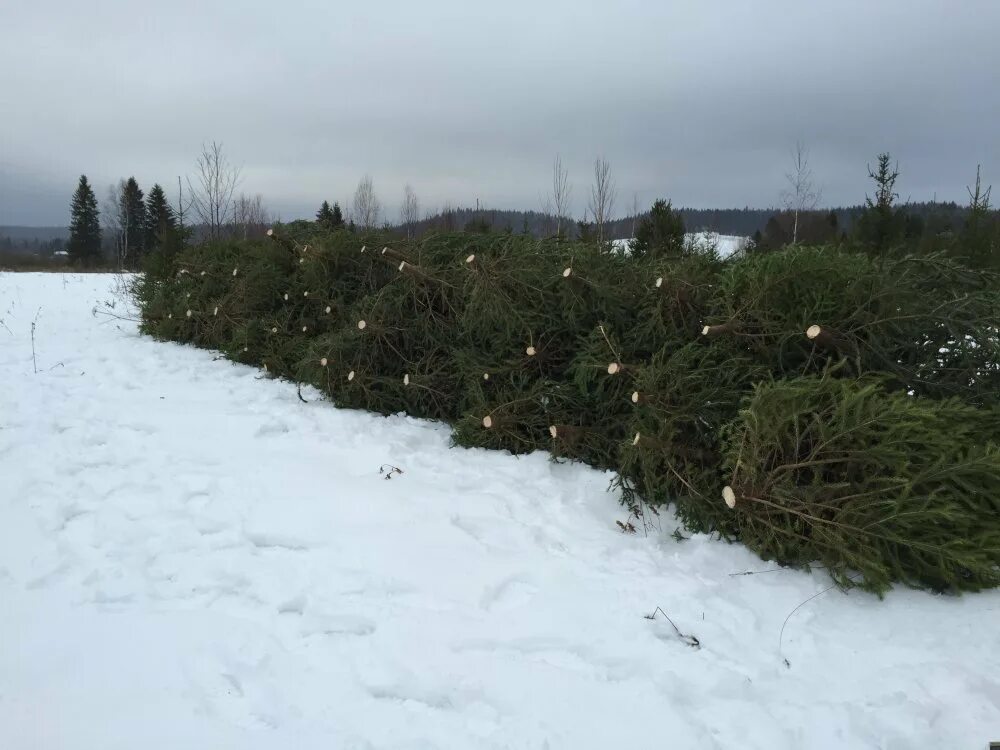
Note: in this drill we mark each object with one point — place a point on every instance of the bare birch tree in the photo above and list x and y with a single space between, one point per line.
112 217
602 196
124 216
800 195
635 213
410 212
366 204
546 214
212 191
562 192
250 217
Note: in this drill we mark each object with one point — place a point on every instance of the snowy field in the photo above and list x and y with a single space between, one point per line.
191 557
724 244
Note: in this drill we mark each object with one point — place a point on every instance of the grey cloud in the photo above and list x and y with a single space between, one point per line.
699 102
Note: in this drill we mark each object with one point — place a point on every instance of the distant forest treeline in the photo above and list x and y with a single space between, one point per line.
130 224
743 222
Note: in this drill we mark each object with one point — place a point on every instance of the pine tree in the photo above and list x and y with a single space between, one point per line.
160 219
84 229
337 217
324 217
132 217
660 233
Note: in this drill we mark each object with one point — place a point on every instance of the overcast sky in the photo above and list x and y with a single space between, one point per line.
700 102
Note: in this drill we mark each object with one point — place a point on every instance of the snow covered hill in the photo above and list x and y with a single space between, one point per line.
192 557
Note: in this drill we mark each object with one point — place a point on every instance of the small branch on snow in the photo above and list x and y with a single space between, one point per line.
388 470
771 570
781 635
627 527
34 361
754 572
688 639
115 316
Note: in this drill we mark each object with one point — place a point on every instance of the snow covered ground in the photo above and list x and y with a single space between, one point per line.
191 557
724 244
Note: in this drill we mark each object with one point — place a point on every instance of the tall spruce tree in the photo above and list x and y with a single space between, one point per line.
160 219
84 245
330 218
660 233
585 231
132 218
324 217
881 225
980 233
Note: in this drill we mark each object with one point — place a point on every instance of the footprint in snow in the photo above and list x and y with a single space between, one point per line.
340 625
294 606
271 429
510 593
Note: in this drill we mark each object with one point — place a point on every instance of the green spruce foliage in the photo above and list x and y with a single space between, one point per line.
160 219
979 241
84 245
478 225
872 483
820 405
659 233
337 219
882 226
324 217
330 218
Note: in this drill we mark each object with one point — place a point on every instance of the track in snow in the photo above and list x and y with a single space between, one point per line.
191 557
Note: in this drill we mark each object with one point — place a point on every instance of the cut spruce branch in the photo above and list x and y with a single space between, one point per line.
720 329
729 496
417 273
617 368
392 256
868 480
831 340
527 344
284 242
